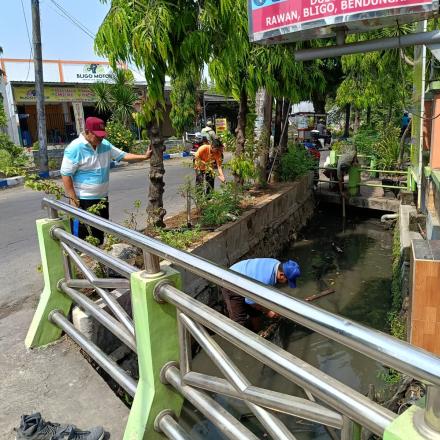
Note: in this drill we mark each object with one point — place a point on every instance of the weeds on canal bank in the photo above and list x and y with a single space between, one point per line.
396 317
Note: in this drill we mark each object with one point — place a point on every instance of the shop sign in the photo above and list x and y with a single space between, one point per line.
87 73
290 20
26 94
221 125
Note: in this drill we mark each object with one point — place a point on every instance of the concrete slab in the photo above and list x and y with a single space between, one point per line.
406 236
56 381
379 203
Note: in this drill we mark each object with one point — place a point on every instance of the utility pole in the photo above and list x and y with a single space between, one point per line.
39 89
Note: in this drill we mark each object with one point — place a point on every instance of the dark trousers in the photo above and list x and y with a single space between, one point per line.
83 230
238 310
202 177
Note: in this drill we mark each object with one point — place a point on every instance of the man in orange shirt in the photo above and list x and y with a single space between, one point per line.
207 158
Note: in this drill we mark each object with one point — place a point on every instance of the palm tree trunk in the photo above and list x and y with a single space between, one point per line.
241 123
278 121
155 209
264 140
285 126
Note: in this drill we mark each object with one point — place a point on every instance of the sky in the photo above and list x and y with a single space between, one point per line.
61 39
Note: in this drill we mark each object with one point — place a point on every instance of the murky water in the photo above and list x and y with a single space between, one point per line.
356 263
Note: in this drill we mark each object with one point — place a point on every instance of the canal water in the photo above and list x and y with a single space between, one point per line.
353 259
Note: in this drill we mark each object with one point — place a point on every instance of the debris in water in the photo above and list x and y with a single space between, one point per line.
319 295
337 248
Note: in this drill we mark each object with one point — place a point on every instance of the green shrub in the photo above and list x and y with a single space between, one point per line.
387 148
365 140
242 167
47 186
228 140
5 159
180 238
53 164
119 135
139 147
296 162
220 206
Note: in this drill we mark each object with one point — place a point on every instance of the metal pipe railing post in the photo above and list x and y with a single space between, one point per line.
432 410
151 263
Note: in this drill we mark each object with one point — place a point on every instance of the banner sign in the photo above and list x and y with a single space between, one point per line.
26 94
87 73
290 20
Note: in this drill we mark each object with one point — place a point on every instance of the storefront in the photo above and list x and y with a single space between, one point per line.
69 97
66 108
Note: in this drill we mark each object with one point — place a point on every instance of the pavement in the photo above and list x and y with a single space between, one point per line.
56 380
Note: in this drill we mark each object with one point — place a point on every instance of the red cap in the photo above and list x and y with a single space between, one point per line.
96 126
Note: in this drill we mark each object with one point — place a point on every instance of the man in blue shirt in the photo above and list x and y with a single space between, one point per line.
85 170
268 271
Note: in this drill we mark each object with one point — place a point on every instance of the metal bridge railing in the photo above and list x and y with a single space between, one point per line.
165 319
356 174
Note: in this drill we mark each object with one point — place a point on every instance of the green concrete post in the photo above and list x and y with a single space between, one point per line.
333 158
354 179
42 332
404 426
157 343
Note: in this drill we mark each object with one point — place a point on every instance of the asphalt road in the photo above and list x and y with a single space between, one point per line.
20 207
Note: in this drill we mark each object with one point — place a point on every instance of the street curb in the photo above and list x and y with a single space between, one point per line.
10 182
175 155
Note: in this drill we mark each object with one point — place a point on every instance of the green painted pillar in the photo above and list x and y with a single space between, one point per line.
404 426
354 179
157 343
41 331
333 158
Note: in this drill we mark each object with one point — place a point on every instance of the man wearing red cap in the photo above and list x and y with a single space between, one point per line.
86 168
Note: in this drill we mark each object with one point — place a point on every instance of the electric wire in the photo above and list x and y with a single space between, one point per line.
31 53
65 14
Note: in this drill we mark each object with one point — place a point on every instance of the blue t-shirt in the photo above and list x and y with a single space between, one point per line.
263 270
405 120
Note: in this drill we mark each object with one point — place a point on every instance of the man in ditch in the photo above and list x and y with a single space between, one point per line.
268 271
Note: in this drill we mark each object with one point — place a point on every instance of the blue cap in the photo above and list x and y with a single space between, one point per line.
292 271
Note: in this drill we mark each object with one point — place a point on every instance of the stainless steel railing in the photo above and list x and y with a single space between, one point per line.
377 345
194 317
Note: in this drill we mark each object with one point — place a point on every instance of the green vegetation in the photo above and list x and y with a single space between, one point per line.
295 163
180 238
220 206
387 148
119 135
47 186
12 157
117 97
244 168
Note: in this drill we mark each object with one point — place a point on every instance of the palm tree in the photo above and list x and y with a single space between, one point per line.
117 97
